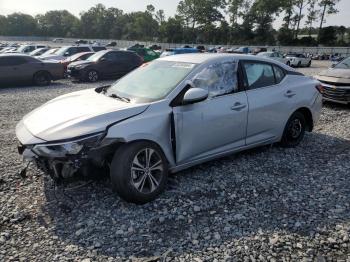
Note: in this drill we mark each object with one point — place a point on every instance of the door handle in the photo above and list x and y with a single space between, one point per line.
289 94
238 106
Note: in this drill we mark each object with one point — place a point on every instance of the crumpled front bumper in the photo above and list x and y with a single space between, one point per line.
65 166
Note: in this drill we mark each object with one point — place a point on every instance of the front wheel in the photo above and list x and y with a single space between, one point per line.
294 130
42 78
139 172
92 76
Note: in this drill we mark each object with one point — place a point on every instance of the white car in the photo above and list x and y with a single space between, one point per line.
66 51
275 56
58 40
298 60
26 49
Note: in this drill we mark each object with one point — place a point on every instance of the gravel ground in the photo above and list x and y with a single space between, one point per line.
266 204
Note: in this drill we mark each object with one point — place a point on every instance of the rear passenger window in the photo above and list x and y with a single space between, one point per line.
279 74
259 74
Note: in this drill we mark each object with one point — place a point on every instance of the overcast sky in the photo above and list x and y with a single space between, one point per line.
34 7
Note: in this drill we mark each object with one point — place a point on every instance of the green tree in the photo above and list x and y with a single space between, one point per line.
263 13
328 36
327 8
3 24
312 16
19 24
58 23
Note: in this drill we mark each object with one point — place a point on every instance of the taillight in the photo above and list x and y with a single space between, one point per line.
320 88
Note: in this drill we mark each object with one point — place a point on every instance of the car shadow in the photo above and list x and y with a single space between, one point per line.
261 191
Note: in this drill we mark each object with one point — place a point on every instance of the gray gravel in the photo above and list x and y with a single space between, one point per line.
266 204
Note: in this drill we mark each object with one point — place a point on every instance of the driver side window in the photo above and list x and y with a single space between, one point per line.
219 78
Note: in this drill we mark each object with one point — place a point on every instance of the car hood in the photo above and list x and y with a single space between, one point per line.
78 114
79 63
338 73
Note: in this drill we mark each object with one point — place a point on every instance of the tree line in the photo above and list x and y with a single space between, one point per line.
196 21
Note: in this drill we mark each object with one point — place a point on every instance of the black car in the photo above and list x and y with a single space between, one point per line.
81 42
112 44
104 64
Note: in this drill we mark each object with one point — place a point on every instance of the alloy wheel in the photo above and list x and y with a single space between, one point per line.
93 76
147 171
295 128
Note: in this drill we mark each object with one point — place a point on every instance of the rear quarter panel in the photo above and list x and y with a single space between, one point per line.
307 96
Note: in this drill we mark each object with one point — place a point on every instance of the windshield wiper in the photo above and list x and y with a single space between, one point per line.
125 99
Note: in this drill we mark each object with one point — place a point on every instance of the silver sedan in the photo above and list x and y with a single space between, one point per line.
168 115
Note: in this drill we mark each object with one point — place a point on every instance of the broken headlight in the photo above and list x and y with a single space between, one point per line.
68 148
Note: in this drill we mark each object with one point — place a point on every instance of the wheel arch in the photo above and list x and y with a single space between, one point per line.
43 71
308 117
123 143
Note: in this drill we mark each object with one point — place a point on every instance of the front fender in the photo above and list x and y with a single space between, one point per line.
153 125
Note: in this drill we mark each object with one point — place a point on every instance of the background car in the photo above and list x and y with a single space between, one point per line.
81 42
178 51
39 51
74 58
16 68
298 60
26 49
241 50
105 64
275 56
336 82
111 44
146 53
155 47
259 50
58 40
67 51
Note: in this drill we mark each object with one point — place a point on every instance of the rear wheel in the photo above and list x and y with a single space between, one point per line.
92 76
42 78
294 130
139 172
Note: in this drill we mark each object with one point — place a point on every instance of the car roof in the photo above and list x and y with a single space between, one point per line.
14 54
200 58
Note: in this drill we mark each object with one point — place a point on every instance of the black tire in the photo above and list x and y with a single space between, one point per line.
42 78
299 64
134 183
92 76
294 130
309 64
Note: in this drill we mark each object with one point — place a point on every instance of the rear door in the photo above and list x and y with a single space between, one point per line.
269 101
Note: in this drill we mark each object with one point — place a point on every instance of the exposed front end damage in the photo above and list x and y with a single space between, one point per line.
63 160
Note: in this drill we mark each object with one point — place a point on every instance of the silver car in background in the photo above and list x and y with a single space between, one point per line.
169 115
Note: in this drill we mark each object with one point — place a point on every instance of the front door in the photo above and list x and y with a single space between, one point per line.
217 124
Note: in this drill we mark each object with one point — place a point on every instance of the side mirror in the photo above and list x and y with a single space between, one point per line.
195 95
103 59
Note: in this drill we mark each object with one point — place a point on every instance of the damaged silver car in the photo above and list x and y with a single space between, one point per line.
169 115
